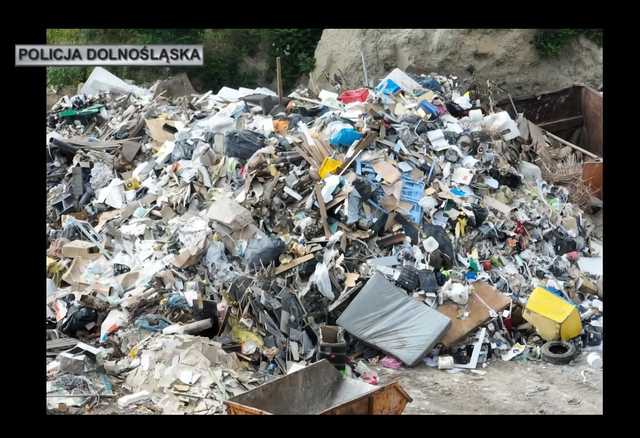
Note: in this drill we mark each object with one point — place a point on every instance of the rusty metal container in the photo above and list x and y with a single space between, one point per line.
320 389
575 115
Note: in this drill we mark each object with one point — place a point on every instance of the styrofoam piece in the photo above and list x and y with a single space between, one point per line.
137 397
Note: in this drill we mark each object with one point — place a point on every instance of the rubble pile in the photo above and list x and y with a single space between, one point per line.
200 244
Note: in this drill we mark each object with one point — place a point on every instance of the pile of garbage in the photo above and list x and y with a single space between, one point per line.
199 245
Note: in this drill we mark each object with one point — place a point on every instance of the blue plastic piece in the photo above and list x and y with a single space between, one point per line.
152 323
345 137
387 87
177 302
106 383
412 192
431 84
471 276
376 206
457 192
429 109
560 294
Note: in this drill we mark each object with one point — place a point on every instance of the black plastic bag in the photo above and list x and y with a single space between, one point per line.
182 151
77 319
455 110
242 143
261 252
444 243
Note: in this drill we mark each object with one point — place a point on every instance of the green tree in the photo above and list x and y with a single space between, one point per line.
225 52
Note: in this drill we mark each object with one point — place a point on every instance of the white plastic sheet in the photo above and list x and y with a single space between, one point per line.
101 81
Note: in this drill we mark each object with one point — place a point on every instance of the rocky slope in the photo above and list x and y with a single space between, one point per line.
506 56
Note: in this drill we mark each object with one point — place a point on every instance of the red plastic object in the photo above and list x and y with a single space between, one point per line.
359 95
573 256
486 265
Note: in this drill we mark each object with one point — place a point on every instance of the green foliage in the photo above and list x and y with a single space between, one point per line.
225 54
549 42
58 77
296 48
64 36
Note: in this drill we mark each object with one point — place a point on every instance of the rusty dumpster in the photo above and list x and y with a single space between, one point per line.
320 389
572 116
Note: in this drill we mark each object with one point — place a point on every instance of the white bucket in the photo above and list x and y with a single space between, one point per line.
594 360
445 362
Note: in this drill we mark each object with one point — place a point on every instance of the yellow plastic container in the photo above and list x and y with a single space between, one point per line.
329 165
553 317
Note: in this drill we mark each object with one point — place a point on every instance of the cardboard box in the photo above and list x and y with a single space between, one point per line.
81 249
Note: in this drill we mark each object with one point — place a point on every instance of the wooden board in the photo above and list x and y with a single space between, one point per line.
323 211
478 312
300 260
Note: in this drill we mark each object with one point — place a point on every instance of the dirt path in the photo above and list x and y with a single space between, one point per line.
506 388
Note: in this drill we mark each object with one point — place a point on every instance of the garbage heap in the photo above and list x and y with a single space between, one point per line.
200 244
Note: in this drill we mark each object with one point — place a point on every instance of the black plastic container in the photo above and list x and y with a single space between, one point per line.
332 346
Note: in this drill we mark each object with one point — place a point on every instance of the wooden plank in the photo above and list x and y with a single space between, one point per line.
561 124
61 343
338 199
279 78
282 268
364 143
306 156
323 211
392 239
344 296
566 143
84 142
478 312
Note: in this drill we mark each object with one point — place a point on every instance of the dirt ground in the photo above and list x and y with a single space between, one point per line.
506 388
501 388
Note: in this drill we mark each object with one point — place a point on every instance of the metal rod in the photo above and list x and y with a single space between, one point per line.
364 70
279 78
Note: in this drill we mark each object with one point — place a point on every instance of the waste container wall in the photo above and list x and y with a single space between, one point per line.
592 113
311 390
319 389
573 114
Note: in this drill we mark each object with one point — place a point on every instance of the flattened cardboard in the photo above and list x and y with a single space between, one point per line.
74 275
478 312
190 256
497 205
228 212
388 171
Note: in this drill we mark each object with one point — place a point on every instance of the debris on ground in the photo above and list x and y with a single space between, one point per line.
201 245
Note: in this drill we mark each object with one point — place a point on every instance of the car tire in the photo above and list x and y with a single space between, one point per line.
558 352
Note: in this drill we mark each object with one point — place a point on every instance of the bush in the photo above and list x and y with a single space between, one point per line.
225 51
549 42
296 48
58 77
